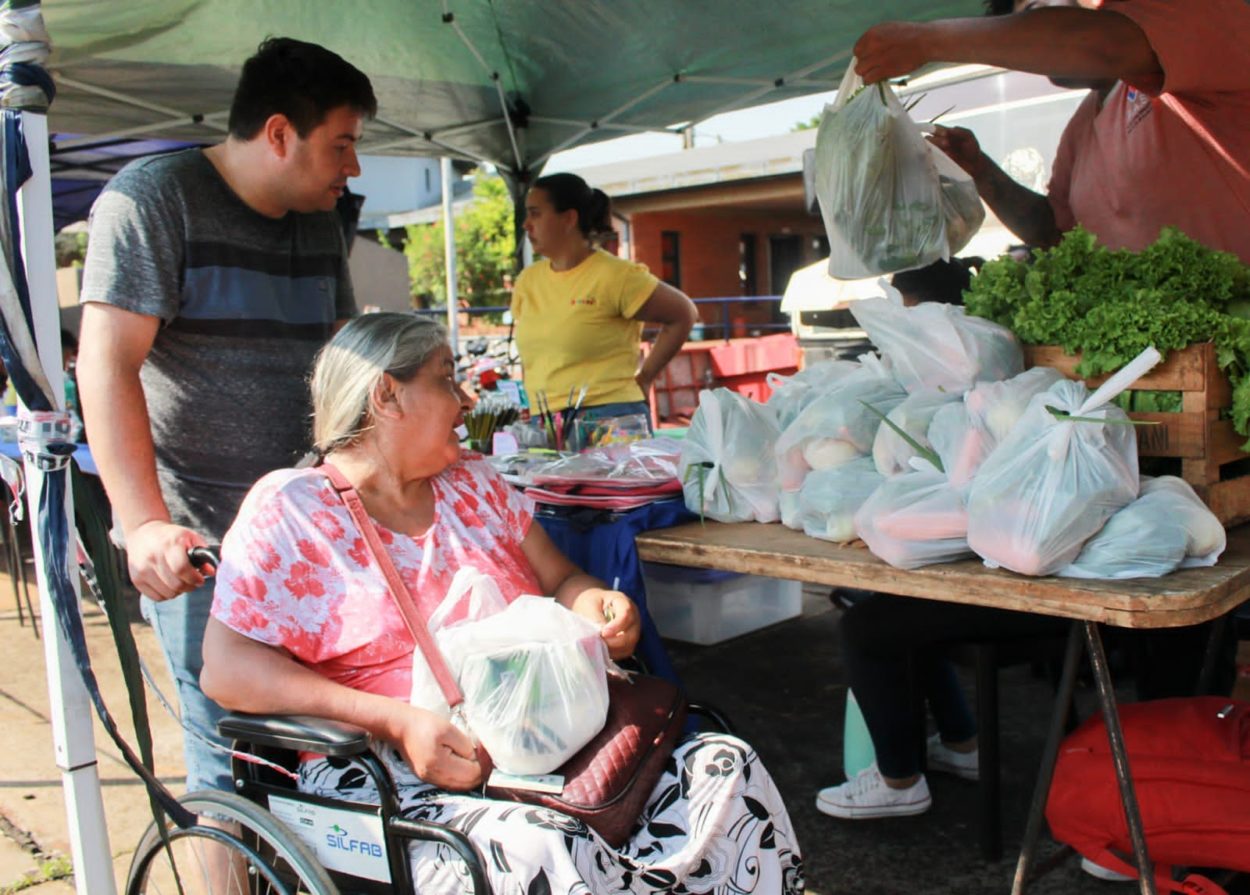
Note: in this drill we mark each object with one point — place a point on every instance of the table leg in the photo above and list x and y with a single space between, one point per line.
1119 756
1058 719
1214 642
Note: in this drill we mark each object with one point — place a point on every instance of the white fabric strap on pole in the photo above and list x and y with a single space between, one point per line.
449 255
71 711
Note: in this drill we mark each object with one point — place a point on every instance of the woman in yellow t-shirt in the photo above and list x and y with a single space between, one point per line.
579 310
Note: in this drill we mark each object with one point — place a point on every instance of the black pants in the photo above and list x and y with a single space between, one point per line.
889 642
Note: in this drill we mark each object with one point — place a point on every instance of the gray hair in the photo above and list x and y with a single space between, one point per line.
350 366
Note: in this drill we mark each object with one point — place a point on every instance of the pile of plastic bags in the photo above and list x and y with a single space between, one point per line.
1026 469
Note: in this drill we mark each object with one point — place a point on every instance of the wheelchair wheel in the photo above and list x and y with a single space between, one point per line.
260 856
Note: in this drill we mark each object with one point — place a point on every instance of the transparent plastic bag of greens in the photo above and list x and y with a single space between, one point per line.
890 451
915 519
830 498
839 424
1166 528
728 468
534 679
938 346
1064 469
878 185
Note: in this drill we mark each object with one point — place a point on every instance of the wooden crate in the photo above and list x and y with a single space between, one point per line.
1203 442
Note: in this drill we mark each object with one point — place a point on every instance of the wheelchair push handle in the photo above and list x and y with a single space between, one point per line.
204 556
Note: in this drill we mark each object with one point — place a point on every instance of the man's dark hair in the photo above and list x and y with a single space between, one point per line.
300 80
999 7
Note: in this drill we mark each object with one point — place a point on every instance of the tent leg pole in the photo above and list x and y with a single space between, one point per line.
71 711
449 254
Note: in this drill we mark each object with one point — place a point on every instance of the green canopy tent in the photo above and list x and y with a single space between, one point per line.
506 82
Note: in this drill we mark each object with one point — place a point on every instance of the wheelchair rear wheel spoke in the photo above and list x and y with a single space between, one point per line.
238 848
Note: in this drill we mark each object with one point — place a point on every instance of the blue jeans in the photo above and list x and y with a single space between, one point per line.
621 408
179 625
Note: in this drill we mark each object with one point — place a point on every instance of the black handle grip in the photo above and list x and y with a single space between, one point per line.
204 556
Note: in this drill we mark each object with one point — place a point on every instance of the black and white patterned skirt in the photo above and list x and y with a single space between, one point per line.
715 823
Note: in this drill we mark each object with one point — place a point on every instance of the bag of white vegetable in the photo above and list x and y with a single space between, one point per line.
1062 471
890 201
728 468
890 451
830 498
790 394
964 434
837 427
915 519
938 346
1166 528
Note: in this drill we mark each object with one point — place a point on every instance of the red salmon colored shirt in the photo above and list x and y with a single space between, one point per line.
1171 150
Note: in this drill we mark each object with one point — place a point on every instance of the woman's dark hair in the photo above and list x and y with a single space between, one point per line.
594 208
300 80
999 7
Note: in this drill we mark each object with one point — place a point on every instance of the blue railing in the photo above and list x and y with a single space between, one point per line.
722 328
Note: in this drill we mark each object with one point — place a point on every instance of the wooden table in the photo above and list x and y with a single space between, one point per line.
1185 597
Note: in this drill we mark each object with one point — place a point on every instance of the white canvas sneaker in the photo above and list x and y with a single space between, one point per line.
944 760
866 795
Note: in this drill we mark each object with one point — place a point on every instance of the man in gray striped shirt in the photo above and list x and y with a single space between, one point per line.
212 278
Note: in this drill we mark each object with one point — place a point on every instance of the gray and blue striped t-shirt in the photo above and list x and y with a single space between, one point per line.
245 302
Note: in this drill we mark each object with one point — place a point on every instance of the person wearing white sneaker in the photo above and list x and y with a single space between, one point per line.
869 795
893 648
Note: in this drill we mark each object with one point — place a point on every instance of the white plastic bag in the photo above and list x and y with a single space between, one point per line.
964 435
938 346
533 674
728 467
534 678
830 498
1051 484
1167 527
790 394
890 451
890 201
915 519
836 427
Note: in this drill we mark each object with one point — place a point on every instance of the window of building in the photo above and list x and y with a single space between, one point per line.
747 279
670 257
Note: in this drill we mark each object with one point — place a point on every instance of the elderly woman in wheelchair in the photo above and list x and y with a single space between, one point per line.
303 624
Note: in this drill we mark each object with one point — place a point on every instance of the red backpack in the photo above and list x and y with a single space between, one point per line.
1190 760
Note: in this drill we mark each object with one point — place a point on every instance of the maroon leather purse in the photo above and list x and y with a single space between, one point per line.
607 783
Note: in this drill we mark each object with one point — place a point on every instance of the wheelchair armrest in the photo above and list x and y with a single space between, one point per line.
305 733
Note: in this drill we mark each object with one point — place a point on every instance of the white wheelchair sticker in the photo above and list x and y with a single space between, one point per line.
343 840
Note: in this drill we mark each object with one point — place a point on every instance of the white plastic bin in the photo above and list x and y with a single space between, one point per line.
706 606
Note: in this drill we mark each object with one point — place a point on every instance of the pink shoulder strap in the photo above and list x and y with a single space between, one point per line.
399 593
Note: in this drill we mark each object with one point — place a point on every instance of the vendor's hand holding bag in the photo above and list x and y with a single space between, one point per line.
607 782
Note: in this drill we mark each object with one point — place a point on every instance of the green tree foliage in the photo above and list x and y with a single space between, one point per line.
485 246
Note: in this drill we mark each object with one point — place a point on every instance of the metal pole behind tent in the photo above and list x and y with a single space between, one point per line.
71 711
449 253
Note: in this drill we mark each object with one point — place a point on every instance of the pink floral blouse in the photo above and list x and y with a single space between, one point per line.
296 573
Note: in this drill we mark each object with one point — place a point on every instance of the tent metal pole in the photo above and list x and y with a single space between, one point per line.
71 711
449 254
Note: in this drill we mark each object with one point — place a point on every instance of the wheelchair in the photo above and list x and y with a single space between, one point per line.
283 841
267 838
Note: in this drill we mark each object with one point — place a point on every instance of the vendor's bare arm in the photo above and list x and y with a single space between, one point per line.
676 315
1025 213
1069 43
